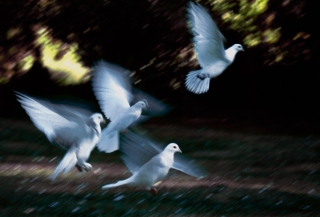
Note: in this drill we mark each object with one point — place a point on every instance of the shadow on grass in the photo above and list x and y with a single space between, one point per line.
250 175
79 198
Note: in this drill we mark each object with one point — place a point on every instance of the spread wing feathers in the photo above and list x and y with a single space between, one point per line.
188 166
137 150
140 120
208 40
112 87
71 111
155 107
66 164
109 141
50 118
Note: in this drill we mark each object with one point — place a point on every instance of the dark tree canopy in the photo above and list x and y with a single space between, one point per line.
49 46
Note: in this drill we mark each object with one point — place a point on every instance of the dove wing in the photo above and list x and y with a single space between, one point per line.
112 88
208 40
188 166
137 150
71 110
155 107
57 122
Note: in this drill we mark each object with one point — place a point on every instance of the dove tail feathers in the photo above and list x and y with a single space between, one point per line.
109 141
195 84
66 164
117 184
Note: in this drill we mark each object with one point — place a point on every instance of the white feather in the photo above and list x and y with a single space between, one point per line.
211 54
151 172
71 128
112 87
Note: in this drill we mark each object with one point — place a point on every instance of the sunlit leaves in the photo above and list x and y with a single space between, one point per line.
61 59
271 36
26 63
13 32
302 35
252 40
244 20
258 25
14 55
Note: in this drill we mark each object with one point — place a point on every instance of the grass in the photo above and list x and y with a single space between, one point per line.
253 171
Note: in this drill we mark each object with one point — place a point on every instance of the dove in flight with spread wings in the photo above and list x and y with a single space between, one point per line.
72 128
208 42
115 94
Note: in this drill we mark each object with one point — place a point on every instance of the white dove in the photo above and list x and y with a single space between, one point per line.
149 162
208 43
72 128
112 88
152 172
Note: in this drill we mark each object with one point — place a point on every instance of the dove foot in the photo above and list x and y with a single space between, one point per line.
153 191
202 77
85 166
80 169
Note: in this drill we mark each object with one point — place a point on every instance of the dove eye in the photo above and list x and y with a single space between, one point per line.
174 146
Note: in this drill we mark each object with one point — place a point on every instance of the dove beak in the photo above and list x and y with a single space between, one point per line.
103 123
179 151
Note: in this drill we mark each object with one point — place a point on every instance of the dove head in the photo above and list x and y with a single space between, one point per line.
232 51
237 47
97 118
143 104
172 147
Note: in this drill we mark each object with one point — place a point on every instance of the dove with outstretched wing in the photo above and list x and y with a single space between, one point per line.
208 43
74 129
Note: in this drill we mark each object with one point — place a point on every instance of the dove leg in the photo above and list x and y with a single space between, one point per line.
83 153
153 191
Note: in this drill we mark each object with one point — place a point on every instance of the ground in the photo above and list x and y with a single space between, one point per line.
254 169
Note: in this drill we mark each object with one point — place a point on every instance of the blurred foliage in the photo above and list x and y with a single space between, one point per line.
61 58
152 39
262 26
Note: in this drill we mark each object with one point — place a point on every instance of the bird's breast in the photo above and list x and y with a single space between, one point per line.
215 69
123 122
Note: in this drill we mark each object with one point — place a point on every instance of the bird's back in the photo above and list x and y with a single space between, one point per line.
153 171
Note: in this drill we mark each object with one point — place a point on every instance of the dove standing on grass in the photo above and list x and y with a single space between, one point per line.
72 128
208 43
112 88
149 162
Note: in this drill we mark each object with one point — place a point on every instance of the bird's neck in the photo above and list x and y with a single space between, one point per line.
231 53
136 110
168 157
95 127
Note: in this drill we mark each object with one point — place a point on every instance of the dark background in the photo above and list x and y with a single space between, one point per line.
132 33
